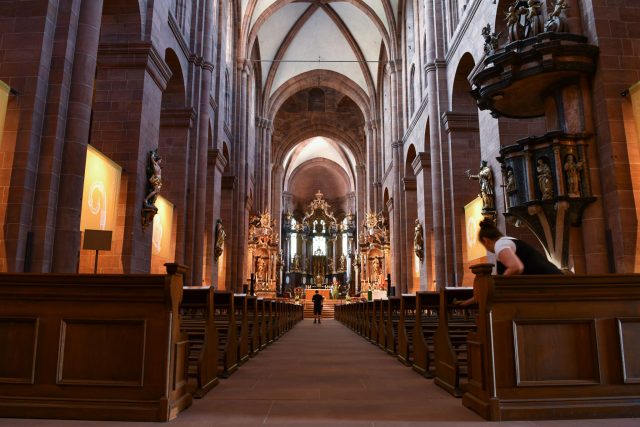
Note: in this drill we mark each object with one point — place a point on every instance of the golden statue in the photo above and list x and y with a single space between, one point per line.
573 168
220 238
418 241
545 180
261 269
295 264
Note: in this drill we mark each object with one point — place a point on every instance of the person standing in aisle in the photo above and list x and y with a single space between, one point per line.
317 307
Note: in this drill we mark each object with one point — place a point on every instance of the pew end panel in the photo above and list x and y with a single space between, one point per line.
198 322
92 347
555 347
450 339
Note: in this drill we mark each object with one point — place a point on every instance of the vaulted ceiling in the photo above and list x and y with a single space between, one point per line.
298 36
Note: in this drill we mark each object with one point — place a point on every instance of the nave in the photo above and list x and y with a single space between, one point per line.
324 375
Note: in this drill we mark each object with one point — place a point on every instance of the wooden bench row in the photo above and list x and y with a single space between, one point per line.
224 330
123 347
410 328
533 347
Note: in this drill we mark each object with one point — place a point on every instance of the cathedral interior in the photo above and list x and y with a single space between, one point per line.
192 171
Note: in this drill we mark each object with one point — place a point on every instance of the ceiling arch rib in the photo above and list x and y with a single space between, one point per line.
320 147
351 147
257 12
326 78
270 46
265 21
319 39
358 24
284 45
355 47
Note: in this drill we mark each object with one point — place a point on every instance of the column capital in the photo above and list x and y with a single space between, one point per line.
244 65
216 159
138 55
397 144
422 161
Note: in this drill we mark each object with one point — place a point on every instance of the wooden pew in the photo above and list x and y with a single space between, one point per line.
253 322
374 309
270 318
242 327
92 347
426 323
450 340
405 328
382 323
392 320
551 347
197 321
364 318
227 333
262 316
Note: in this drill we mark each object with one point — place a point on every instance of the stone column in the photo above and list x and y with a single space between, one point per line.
67 236
371 163
206 77
421 166
136 75
242 203
216 165
435 148
53 133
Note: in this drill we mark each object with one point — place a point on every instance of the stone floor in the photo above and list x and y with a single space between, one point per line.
325 375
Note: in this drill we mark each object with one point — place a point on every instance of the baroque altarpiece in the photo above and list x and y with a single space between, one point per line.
318 248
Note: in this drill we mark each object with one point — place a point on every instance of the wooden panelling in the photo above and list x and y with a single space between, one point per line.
555 346
101 352
109 347
556 352
629 332
476 372
18 347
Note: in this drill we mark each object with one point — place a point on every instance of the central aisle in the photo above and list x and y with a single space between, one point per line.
324 374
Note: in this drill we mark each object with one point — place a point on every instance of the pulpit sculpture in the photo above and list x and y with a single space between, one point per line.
545 179
556 22
573 168
490 40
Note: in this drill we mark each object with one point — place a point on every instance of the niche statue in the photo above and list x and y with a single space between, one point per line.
154 184
545 179
418 241
220 238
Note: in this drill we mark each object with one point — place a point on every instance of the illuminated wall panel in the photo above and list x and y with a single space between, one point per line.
163 229
473 216
100 193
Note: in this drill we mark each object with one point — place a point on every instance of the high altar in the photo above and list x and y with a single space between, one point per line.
264 251
318 248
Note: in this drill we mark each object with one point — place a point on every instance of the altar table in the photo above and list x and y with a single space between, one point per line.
326 293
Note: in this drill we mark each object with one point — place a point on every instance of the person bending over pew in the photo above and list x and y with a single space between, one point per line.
513 256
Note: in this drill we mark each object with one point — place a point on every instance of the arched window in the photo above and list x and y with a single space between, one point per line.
412 94
227 98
